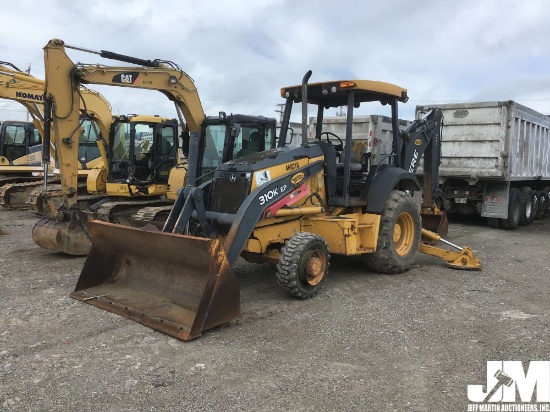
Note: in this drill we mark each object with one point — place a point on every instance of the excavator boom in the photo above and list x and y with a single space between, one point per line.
29 92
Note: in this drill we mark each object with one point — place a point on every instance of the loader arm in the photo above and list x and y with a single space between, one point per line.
246 218
63 79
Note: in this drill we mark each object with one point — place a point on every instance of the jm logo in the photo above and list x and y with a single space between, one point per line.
506 378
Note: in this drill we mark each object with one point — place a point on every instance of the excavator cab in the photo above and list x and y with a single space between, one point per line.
18 139
143 148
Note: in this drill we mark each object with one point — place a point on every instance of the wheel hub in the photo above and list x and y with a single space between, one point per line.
403 234
315 268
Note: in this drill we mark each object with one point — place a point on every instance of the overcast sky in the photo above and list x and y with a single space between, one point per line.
241 52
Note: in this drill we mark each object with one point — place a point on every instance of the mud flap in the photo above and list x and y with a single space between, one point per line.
70 237
177 284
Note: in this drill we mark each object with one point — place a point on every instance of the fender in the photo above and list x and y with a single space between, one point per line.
378 187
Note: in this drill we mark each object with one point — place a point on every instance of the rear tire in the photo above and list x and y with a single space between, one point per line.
527 205
512 222
542 208
398 237
303 265
493 222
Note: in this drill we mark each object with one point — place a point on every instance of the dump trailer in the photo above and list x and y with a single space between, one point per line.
287 205
370 134
494 162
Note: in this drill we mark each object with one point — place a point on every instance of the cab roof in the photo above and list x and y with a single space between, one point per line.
336 92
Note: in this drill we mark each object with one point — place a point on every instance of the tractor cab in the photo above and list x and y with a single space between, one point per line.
346 171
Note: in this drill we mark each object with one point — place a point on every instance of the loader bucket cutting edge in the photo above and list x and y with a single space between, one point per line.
179 285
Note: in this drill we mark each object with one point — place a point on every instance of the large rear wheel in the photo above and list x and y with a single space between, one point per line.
303 265
527 205
542 207
398 237
512 221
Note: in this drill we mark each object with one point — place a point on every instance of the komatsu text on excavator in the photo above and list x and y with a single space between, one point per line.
289 206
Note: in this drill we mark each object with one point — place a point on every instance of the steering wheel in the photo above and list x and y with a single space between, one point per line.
339 146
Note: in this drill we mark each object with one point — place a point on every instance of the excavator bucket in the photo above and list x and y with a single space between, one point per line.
179 285
70 237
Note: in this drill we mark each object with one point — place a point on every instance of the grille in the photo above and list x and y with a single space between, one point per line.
229 195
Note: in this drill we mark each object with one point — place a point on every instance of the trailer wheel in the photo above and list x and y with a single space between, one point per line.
542 207
493 222
527 205
398 237
303 265
512 222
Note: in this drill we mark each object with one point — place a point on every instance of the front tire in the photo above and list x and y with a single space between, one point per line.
303 265
398 237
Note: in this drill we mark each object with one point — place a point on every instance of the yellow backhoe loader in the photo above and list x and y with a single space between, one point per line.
289 206
141 153
22 161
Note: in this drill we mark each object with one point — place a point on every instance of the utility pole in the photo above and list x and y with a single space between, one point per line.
281 111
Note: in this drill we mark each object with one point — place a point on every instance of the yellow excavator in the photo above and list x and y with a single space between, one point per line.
141 153
22 161
290 206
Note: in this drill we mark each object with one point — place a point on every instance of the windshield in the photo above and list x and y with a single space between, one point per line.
213 148
87 146
143 142
250 140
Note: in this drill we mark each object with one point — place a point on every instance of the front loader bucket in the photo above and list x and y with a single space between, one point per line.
70 237
179 285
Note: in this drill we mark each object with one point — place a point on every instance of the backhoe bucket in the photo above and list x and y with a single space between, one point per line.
436 222
179 285
70 237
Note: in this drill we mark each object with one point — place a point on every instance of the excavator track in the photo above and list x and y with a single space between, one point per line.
37 198
123 211
152 214
13 196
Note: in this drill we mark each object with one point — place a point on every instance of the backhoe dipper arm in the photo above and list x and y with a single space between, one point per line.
422 138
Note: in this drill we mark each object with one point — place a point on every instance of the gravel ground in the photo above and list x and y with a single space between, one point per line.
409 342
